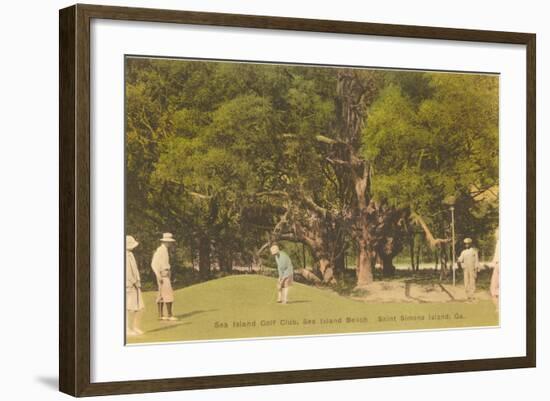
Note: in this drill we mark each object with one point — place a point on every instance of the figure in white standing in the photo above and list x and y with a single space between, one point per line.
469 261
161 267
134 299
495 277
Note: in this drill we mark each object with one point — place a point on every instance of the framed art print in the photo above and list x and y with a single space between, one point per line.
298 200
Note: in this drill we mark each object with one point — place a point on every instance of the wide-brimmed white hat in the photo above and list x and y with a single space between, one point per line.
467 240
131 242
274 249
167 237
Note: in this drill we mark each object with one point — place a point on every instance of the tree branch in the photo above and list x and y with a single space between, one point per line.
199 195
339 162
327 140
432 241
310 203
280 194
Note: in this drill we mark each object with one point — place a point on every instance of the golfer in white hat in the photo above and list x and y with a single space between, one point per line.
134 300
469 261
286 273
161 267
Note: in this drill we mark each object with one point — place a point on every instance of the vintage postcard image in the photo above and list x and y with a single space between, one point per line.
269 200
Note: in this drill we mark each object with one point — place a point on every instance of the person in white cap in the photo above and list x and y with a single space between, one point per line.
286 273
161 267
134 299
469 261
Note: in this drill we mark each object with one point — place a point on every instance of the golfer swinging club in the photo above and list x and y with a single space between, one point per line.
286 273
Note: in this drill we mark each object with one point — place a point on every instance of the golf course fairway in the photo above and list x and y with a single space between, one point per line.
244 306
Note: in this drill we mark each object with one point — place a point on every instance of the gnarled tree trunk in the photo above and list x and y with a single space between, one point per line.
355 94
204 256
225 260
305 222
365 263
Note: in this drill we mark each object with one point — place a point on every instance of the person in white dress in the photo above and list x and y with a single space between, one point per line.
469 261
495 277
134 299
161 267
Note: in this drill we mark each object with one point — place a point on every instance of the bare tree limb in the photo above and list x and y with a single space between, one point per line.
432 241
310 203
338 161
280 194
199 195
327 140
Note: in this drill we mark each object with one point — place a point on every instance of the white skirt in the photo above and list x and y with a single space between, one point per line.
134 299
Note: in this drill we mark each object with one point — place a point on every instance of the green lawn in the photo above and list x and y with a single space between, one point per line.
244 306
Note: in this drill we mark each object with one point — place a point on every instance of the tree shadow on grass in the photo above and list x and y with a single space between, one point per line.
408 293
193 313
181 320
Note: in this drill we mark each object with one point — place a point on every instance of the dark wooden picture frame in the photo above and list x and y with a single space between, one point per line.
74 204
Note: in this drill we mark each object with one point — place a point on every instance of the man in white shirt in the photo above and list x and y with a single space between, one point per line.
161 267
469 261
